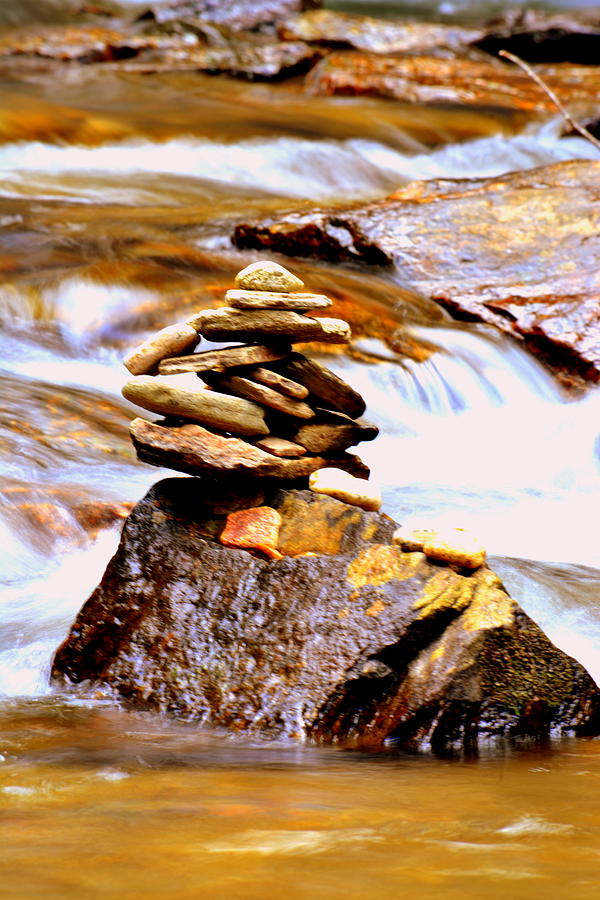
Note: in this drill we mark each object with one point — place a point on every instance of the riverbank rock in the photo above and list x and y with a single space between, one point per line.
463 81
518 251
346 638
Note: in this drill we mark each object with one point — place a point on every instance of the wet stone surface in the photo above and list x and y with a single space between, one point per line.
357 642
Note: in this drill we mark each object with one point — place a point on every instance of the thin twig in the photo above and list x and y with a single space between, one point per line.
548 90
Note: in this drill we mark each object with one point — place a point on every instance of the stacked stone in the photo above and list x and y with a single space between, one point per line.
266 410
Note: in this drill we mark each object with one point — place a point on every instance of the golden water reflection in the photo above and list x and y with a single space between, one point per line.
99 803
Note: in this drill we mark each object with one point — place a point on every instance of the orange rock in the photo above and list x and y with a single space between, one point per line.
256 529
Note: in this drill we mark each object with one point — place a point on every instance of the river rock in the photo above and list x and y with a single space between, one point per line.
529 267
359 644
221 360
329 388
267 276
274 300
463 81
344 487
171 340
279 382
259 393
332 432
375 35
221 411
228 324
237 15
198 451
281 447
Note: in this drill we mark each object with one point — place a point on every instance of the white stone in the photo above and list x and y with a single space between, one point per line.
342 486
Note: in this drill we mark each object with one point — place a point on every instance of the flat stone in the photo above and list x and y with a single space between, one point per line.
256 529
221 411
167 342
260 393
453 546
266 275
202 452
346 488
246 325
226 358
280 447
273 300
328 387
428 79
375 35
331 436
279 382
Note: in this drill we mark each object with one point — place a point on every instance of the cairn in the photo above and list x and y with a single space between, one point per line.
265 410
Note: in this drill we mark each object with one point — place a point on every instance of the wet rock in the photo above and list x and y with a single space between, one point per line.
467 82
168 342
361 643
344 487
220 411
128 50
256 528
237 15
516 251
274 300
244 59
375 35
197 451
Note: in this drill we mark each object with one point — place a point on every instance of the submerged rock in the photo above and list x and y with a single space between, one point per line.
358 642
517 251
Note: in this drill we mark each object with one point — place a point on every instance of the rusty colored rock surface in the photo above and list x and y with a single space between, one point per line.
198 451
430 79
518 251
360 645
128 49
375 35
256 528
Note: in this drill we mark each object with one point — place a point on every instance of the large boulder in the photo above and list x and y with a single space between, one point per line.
517 251
346 638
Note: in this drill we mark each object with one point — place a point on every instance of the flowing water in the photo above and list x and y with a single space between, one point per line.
118 193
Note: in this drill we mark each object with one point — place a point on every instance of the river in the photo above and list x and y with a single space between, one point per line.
118 193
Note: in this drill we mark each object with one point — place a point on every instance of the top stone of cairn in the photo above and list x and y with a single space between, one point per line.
267 276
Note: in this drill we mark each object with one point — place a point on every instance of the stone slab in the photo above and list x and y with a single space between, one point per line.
272 300
220 411
226 358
